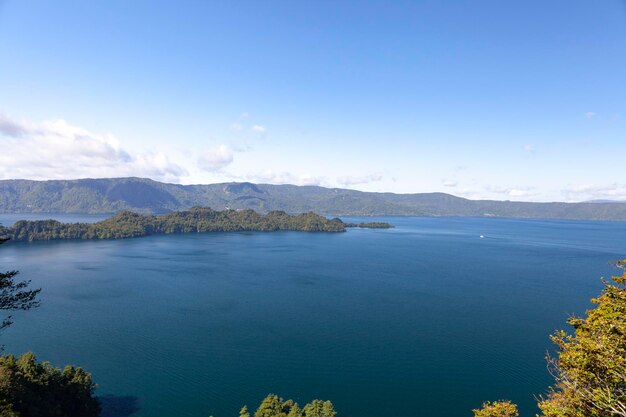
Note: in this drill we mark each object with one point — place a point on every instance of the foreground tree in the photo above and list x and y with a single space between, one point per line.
274 406
15 295
590 371
31 389
319 408
590 368
497 409
271 406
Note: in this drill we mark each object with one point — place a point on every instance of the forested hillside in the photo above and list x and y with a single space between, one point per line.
196 220
151 197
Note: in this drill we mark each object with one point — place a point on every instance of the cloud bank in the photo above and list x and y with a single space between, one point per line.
347 181
55 149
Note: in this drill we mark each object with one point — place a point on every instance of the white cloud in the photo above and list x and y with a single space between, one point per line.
272 177
243 123
156 165
497 193
515 192
56 149
512 191
351 180
529 149
216 159
586 192
590 115
450 183
259 129
13 128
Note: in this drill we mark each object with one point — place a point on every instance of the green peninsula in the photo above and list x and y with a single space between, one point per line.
128 224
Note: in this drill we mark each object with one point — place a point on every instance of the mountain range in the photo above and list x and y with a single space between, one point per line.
142 195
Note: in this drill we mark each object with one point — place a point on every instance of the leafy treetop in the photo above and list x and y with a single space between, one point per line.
590 368
32 389
275 406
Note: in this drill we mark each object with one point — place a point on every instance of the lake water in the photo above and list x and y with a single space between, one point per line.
427 319
8 219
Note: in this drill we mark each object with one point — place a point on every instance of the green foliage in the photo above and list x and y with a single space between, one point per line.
31 389
15 295
319 408
295 411
497 409
111 195
590 370
274 406
196 220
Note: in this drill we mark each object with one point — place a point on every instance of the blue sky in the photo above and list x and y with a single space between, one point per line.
483 99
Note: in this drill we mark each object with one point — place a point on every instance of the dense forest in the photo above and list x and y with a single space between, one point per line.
196 220
37 389
143 195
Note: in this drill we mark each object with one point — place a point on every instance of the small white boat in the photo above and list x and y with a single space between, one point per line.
482 236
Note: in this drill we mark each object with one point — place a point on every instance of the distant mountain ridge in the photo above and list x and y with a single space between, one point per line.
111 195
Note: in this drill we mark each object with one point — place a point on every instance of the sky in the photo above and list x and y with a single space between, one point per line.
482 99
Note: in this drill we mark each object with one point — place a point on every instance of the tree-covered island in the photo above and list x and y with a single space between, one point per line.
128 224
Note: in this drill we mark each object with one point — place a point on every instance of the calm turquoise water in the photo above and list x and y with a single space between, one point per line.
426 319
